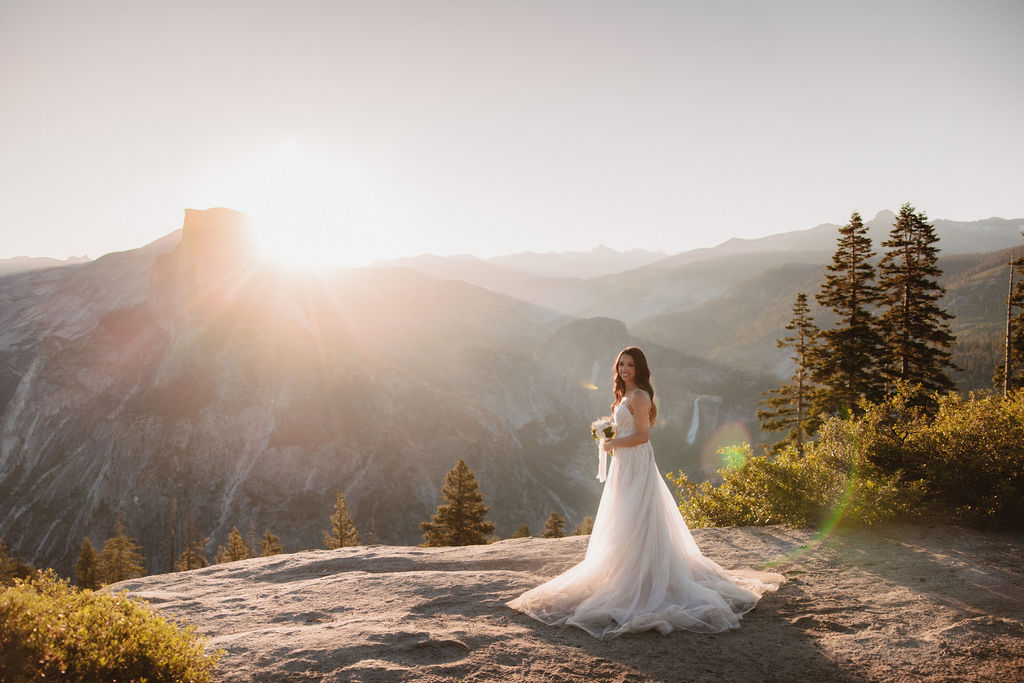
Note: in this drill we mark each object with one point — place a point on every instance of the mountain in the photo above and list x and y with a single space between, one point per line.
598 261
694 278
190 378
739 328
956 237
24 264
575 264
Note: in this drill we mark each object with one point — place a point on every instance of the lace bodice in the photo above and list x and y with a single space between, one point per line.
624 425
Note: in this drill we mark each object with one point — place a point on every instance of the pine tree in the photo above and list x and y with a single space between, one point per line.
848 366
1009 372
914 329
584 528
194 555
270 544
554 527
786 408
121 558
522 532
459 519
343 531
87 568
238 548
12 567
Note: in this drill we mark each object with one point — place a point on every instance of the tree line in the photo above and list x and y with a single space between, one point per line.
460 519
889 328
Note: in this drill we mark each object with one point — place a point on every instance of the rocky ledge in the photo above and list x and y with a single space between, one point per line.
899 603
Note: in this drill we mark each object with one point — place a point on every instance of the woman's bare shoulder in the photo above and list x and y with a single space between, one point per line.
638 397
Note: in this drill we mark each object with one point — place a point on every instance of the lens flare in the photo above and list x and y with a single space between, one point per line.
729 437
828 525
588 385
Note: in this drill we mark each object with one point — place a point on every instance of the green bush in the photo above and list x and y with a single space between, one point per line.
962 462
831 482
51 630
972 458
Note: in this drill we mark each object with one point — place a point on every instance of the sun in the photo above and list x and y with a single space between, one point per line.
306 210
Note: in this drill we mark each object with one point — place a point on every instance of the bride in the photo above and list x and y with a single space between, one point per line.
642 570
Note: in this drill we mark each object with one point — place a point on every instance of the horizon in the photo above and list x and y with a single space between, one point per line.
491 129
75 258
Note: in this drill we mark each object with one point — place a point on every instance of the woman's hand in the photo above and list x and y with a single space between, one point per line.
606 445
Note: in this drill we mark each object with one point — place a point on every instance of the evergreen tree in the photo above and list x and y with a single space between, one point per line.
121 558
343 531
522 532
1009 373
194 555
270 544
584 528
554 527
12 567
914 329
848 366
786 408
459 519
87 568
238 548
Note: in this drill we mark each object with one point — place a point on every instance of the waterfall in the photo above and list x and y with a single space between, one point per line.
691 436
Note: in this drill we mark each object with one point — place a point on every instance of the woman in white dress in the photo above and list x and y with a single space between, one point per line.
642 570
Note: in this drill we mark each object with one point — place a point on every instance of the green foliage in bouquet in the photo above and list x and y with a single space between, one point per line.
962 463
54 631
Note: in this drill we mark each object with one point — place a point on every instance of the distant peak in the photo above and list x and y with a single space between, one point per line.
884 215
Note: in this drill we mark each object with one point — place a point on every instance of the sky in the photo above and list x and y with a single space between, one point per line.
358 130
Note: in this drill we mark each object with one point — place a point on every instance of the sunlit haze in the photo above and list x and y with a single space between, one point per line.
356 130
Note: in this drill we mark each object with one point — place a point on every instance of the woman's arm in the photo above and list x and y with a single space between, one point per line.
639 404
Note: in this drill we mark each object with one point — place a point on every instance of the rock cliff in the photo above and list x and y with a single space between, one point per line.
900 603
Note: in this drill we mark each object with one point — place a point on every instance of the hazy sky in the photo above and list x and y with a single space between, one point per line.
396 128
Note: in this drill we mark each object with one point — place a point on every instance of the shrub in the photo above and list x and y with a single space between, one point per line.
973 459
52 630
832 482
964 462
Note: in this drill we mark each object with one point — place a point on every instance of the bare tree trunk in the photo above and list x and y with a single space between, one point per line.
1006 338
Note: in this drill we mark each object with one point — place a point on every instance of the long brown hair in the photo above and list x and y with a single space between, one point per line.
643 377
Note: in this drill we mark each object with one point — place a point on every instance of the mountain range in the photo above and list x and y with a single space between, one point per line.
191 379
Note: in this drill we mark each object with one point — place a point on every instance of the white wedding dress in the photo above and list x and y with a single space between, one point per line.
643 570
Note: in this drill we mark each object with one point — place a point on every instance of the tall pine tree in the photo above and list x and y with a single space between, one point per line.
238 548
848 366
584 528
459 520
87 568
914 329
343 531
121 558
786 408
270 544
554 527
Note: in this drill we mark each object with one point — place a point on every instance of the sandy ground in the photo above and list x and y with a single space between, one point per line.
899 603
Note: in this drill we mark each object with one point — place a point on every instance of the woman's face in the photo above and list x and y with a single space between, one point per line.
626 368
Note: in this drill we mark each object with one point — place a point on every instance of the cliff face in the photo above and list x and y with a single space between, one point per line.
188 378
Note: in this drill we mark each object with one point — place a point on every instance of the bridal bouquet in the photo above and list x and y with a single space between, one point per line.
603 426
602 429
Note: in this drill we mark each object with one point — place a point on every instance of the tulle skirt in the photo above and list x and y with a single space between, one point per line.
643 570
